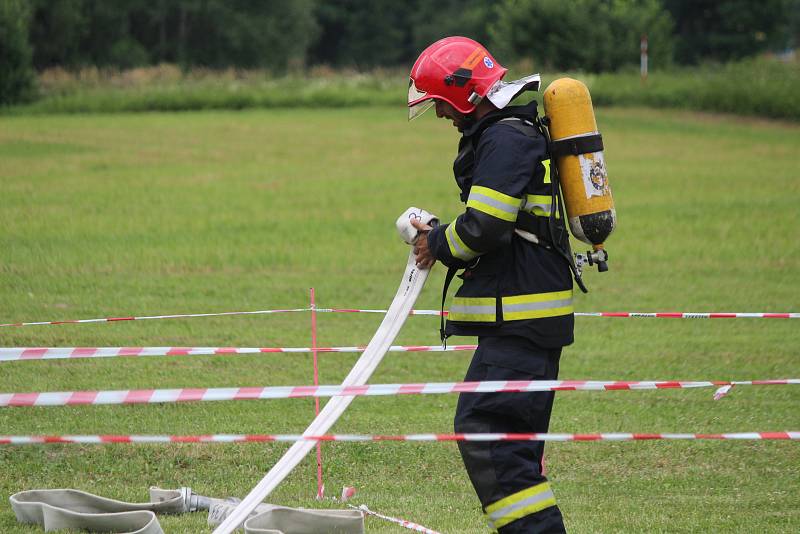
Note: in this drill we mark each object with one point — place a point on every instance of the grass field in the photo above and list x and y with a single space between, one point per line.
167 213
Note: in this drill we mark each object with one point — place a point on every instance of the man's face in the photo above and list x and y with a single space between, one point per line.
446 111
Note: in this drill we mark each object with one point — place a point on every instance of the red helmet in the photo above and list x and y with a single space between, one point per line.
457 70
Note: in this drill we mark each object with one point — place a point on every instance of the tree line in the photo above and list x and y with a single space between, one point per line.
281 35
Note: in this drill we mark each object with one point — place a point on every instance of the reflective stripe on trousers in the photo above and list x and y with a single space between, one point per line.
503 473
518 505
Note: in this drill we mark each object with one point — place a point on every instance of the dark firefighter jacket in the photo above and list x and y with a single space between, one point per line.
511 286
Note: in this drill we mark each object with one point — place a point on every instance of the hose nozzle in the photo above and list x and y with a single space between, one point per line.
194 502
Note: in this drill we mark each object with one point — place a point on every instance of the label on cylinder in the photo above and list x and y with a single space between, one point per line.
593 170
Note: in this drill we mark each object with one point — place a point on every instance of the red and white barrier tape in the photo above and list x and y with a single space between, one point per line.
692 315
630 315
153 396
149 317
657 315
356 310
102 439
402 522
58 353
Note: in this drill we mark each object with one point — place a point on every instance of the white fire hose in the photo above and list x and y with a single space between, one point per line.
410 287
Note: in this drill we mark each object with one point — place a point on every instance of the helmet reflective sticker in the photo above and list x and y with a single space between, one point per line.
488 62
419 108
502 93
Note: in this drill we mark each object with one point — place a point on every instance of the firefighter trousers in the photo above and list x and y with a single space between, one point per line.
507 475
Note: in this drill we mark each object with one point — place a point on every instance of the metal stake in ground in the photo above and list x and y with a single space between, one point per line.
320 483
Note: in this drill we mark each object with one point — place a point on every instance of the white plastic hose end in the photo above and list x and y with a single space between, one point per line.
408 233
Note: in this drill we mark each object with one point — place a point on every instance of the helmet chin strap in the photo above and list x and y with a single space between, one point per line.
469 119
467 123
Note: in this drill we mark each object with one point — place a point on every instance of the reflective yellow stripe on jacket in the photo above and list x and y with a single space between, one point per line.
540 205
515 308
520 504
537 305
493 203
458 248
481 309
546 164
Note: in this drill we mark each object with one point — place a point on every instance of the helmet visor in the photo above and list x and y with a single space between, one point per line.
419 108
417 101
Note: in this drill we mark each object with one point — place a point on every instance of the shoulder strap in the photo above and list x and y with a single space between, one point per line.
527 112
522 125
451 272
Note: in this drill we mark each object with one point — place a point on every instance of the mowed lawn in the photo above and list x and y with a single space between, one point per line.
141 214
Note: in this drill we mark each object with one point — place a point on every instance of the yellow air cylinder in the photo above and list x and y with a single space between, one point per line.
584 182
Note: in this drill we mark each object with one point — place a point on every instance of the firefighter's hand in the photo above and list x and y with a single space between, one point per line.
425 259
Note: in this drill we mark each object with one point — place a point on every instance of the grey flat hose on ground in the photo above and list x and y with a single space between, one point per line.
68 508
271 519
59 509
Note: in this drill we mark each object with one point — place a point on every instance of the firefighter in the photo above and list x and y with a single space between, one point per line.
516 295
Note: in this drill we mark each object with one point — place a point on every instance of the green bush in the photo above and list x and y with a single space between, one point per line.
16 72
166 88
759 87
762 87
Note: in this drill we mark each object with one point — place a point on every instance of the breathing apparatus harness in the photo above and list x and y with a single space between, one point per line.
551 234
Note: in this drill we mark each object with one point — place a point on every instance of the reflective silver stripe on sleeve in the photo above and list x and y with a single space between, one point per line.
499 205
458 248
